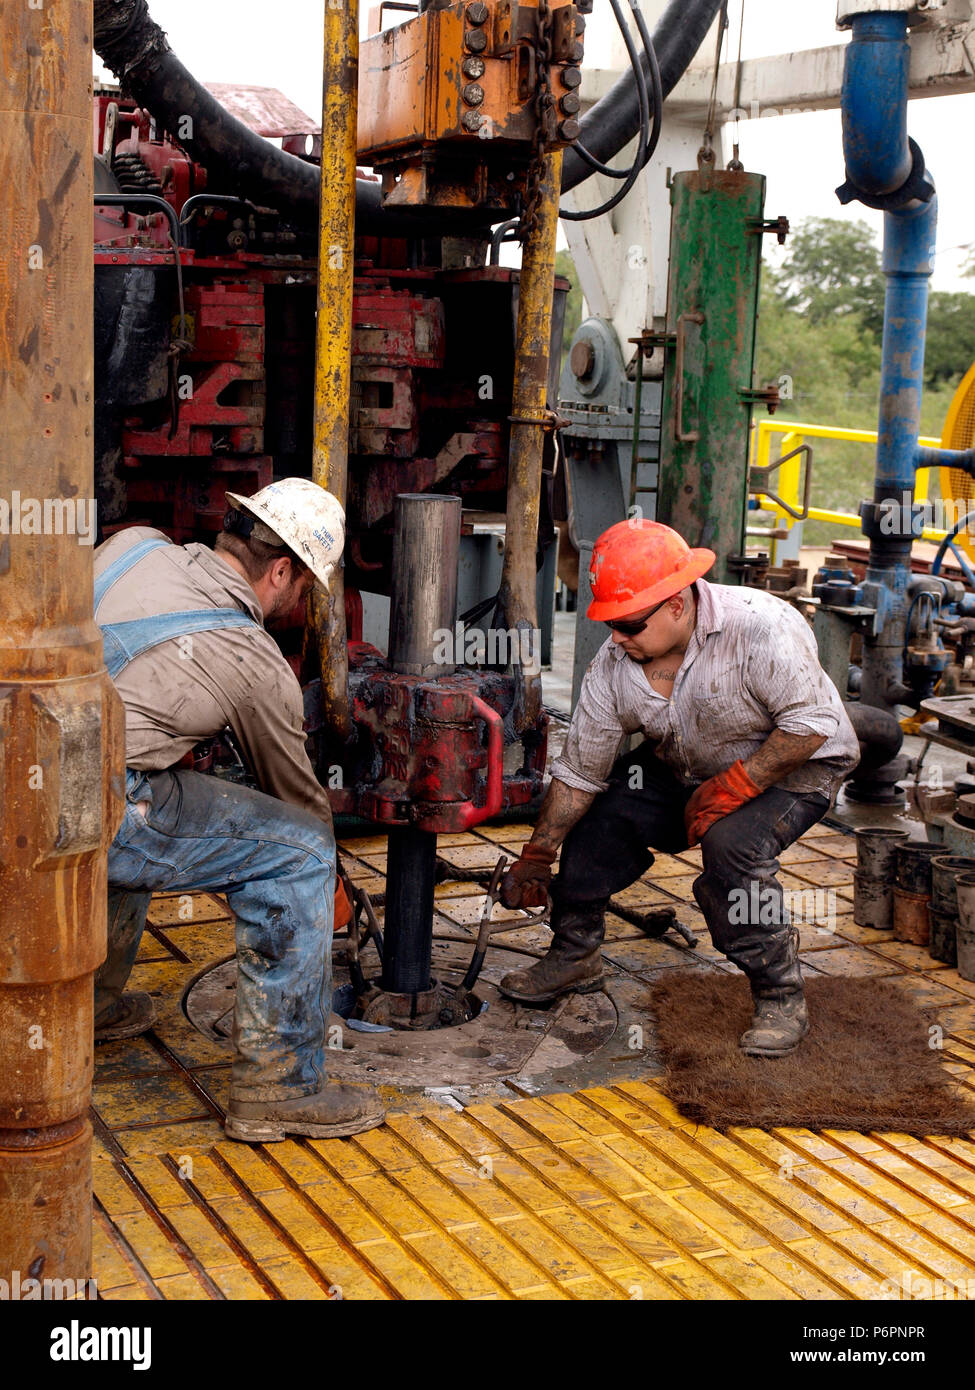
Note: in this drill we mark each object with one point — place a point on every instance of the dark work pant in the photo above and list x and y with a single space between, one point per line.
644 806
276 865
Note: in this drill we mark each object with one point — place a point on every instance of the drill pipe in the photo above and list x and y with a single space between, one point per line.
333 342
516 600
61 746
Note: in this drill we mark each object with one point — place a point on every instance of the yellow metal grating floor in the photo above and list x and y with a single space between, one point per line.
601 1193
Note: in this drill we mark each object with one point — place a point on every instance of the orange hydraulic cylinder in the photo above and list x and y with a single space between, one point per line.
61 748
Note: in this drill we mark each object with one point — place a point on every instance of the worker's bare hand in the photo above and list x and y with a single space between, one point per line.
527 882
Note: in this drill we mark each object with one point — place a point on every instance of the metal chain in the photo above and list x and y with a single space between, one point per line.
543 104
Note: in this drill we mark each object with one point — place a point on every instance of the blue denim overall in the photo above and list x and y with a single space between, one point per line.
274 862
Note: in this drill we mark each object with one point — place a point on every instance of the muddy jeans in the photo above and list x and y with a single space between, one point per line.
276 866
644 806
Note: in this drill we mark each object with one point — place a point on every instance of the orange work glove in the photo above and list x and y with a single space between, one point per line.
343 908
526 882
718 797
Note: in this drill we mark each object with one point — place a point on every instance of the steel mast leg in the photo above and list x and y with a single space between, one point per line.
333 341
61 746
518 577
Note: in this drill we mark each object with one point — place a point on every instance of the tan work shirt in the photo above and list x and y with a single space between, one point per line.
751 666
187 689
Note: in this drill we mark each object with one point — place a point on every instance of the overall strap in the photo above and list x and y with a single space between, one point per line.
121 566
123 642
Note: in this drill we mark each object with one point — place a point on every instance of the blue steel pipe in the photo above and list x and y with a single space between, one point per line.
907 261
885 170
874 103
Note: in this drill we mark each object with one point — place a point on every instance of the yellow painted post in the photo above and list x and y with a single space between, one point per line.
333 338
533 339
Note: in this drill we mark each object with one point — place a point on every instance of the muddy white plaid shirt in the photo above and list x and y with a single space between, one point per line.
751 666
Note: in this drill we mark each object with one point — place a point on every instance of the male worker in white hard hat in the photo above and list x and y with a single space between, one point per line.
186 645
746 741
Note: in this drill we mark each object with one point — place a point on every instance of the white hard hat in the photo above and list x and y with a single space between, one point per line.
309 520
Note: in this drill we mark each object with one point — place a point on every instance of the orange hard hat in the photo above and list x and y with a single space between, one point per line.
638 563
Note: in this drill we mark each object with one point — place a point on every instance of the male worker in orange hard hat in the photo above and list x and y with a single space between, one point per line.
186 645
746 743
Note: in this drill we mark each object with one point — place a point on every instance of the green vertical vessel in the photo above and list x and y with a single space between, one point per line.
712 305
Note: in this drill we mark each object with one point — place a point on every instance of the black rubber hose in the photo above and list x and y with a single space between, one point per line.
595 164
587 214
615 118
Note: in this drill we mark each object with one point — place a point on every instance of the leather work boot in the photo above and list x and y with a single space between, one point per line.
130 1016
778 1027
331 1113
573 961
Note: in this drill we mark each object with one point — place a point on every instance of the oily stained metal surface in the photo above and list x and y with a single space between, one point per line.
506 1039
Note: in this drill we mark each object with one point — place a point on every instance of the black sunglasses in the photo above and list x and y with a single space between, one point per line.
632 627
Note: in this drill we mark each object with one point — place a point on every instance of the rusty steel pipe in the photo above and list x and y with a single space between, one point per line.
517 601
333 336
423 592
61 745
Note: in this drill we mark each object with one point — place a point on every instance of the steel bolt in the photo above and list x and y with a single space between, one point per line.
570 103
475 40
571 77
473 67
569 129
473 94
477 12
576 51
472 120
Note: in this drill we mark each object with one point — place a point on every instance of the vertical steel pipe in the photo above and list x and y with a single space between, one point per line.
885 171
423 594
333 337
909 235
423 606
533 337
61 746
411 865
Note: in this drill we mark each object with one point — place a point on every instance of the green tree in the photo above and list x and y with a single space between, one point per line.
565 265
832 271
950 347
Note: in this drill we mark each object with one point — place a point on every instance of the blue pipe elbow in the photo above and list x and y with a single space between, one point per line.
878 154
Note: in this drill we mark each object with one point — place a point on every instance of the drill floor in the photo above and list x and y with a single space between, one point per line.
584 1184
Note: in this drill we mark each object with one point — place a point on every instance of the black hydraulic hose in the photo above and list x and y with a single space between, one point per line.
656 82
656 98
638 73
587 214
614 120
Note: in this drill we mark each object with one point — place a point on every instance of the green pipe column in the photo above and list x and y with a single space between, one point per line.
712 306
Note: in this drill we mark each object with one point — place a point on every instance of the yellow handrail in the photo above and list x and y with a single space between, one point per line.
796 432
